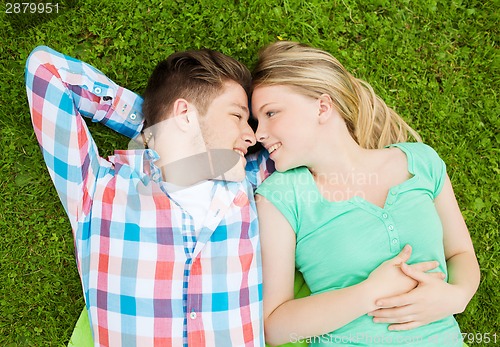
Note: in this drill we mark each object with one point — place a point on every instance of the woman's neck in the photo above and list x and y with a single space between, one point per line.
337 152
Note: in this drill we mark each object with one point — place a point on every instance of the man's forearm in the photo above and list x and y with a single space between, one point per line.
95 95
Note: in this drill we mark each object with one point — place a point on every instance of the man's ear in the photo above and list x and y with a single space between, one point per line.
183 113
326 108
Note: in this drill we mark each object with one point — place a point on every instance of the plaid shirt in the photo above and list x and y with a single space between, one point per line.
147 279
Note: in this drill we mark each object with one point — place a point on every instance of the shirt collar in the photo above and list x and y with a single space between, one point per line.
141 161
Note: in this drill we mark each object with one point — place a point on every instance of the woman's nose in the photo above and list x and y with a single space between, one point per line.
260 134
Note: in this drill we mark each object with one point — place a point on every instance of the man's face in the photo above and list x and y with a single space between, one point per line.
225 127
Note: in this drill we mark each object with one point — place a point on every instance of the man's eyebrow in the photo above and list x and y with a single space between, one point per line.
243 108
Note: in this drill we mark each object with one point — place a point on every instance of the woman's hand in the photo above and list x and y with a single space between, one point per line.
431 300
434 299
389 280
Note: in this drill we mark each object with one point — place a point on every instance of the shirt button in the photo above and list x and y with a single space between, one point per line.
133 116
385 215
97 90
394 241
391 227
192 315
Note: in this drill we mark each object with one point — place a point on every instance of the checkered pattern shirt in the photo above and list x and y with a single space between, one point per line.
147 279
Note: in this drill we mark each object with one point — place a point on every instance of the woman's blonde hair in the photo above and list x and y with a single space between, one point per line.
313 72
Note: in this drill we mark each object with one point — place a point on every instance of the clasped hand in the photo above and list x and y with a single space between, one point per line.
428 297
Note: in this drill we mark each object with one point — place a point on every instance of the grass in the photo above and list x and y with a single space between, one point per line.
435 62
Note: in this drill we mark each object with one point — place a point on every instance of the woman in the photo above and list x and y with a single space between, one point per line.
348 195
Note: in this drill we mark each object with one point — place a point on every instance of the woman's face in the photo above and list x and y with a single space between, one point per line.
288 122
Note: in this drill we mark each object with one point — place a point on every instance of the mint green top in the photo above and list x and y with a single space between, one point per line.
338 244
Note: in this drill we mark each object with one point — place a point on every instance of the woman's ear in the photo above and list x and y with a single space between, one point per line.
325 108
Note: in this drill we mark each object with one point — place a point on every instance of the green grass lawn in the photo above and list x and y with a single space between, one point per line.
435 63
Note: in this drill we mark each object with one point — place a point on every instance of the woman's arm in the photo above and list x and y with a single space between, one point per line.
285 316
433 299
461 260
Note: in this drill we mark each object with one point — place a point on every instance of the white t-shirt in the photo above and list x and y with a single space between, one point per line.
195 200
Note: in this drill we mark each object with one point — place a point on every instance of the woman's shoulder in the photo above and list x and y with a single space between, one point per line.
419 153
417 148
424 162
284 180
287 176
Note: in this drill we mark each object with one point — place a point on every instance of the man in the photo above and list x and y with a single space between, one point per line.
158 268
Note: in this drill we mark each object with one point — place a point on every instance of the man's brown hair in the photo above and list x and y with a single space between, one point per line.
195 75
